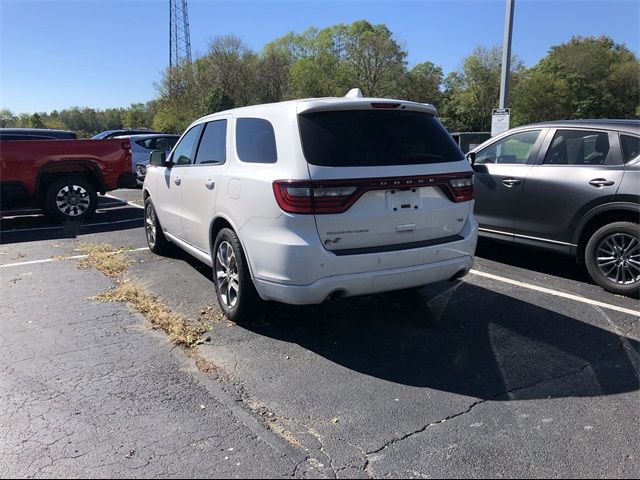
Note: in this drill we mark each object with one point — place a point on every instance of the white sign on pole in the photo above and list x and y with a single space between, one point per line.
500 121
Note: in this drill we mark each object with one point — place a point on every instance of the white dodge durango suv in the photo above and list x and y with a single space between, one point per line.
306 200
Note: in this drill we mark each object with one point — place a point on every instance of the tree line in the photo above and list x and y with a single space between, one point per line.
586 77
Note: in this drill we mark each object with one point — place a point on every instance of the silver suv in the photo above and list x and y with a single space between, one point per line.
567 186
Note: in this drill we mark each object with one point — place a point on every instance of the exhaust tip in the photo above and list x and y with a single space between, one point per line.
459 274
335 295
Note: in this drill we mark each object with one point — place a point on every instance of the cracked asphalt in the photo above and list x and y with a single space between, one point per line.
474 378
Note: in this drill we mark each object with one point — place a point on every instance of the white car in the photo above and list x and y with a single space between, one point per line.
306 200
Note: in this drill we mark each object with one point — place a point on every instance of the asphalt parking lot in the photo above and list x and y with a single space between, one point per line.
522 368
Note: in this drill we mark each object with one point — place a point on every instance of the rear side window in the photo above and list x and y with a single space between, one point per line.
255 141
363 138
213 146
630 147
578 147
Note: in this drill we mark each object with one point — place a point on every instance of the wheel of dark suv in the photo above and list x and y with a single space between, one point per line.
236 293
71 198
612 257
156 240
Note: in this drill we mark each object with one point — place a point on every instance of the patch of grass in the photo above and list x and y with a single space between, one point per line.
180 331
104 257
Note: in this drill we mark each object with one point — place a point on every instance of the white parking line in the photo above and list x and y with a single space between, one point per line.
34 212
556 293
124 201
30 215
529 286
74 257
19 230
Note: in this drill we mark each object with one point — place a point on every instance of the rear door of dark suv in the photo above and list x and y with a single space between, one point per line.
577 169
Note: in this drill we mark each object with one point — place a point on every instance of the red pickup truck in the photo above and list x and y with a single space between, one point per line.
63 176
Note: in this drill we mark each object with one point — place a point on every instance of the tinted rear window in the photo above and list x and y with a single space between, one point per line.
255 141
630 147
359 138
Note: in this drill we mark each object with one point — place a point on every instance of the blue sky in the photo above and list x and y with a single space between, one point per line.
106 53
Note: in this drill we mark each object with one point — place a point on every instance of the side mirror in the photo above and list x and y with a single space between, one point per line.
471 156
158 158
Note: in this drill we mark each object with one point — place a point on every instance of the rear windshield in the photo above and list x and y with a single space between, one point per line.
364 138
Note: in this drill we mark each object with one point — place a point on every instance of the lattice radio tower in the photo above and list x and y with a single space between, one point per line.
179 39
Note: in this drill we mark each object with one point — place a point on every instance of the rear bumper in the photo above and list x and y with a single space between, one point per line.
307 273
364 283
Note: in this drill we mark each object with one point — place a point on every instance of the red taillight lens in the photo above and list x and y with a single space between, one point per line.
462 189
292 196
303 197
337 196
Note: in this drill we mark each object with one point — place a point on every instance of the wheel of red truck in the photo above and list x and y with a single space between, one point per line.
71 198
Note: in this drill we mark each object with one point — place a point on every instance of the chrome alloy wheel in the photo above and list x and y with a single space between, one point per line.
227 278
150 224
618 258
73 200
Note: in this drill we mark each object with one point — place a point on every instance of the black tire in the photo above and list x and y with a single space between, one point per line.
71 198
612 257
156 241
239 304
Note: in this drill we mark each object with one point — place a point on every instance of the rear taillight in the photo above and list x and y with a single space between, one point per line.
304 197
462 189
127 150
337 196
293 197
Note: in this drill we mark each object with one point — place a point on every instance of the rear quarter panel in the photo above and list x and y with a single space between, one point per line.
629 190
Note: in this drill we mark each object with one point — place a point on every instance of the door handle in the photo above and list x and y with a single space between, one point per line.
210 184
601 182
510 182
177 180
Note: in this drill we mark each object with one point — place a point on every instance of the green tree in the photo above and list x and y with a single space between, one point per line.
473 92
374 61
35 121
587 77
7 118
135 116
423 83
331 61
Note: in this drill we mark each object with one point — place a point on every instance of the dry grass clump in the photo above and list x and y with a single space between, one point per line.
104 257
180 331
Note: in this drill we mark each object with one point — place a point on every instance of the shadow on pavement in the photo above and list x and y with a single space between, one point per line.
529 258
457 337
465 340
110 216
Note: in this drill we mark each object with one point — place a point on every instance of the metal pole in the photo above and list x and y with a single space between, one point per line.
506 55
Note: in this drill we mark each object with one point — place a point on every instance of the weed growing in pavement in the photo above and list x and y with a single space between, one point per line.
104 257
180 331
111 261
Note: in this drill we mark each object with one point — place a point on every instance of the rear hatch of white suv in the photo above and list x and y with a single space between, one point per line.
385 175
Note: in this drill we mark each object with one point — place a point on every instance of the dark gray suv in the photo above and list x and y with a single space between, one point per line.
568 186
